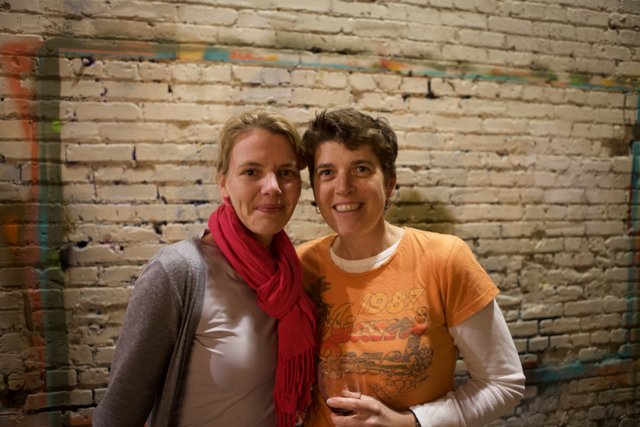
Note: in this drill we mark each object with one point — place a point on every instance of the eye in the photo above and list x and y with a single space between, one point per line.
362 170
325 173
288 173
250 172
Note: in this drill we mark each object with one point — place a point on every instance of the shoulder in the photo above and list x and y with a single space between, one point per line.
314 256
180 255
432 241
314 248
177 264
427 247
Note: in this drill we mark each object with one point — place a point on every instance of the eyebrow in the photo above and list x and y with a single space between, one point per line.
355 162
253 163
324 165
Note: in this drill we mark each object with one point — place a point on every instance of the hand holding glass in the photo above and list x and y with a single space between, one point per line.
339 377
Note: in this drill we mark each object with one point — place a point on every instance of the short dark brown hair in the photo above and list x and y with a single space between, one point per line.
353 129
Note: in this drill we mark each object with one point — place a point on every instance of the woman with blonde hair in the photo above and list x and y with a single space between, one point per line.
218 331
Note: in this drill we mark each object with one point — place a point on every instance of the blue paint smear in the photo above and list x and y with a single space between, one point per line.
557 373
216 55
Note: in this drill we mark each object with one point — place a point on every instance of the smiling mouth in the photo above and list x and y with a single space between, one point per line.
270 208
347 207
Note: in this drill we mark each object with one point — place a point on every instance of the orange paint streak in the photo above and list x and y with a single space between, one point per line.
10 231
388 64
249 56
22 64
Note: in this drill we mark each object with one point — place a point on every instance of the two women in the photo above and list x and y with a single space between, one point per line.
218 331
397 302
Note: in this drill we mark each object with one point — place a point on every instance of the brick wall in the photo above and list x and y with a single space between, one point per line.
516 125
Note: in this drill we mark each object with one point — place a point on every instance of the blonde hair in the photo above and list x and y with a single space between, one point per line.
244 123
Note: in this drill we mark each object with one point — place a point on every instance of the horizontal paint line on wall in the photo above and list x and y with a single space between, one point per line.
75 48
577 370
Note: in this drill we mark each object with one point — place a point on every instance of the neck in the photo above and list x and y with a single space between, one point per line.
364 247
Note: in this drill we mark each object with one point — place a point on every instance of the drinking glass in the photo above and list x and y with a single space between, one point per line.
340 377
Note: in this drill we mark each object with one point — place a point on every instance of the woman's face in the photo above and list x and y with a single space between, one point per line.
350 188
263 182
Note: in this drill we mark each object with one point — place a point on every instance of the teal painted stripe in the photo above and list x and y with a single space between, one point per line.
577 370
216 55
334 61
557 373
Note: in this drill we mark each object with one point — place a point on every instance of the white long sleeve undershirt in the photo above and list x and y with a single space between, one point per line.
496 383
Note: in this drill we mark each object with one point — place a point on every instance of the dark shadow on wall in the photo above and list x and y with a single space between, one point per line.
33 237
427 216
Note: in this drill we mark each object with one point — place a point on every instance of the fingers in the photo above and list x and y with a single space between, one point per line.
342 404
365 411
364 405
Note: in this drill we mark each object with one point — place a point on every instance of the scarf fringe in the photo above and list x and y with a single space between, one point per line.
295 392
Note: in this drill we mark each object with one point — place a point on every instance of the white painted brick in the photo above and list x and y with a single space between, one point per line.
379 102
176 232
170 112
509 25
334 80
628 68
150 71
98 153
79 193
524 328
463 19
387 82
538 344
178 194
189 33
264 95
128 193
252 37
376 28
320 97
591 354
305 78
481 38
169 152
369 10
167 212
194 14
434 33
603 228
81 276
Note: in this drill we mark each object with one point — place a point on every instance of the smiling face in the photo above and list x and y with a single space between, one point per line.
350 190
263 182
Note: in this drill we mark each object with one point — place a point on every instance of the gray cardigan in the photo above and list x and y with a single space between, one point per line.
153 348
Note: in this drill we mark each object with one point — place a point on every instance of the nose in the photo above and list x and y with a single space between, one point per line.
270 184
344 183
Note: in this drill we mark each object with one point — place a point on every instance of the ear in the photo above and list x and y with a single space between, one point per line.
222 186
391 186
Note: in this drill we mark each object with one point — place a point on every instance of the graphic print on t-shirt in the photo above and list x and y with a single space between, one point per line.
383 331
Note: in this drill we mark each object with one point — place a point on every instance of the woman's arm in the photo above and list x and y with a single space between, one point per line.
143 350
496 382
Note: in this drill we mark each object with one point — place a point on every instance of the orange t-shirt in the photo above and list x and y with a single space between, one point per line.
394 319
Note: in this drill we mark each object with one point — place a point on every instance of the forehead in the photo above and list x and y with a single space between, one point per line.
260 145
333 152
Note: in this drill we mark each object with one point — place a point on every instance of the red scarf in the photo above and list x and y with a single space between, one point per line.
276 276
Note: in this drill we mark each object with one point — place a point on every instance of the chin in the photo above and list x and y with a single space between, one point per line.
271 229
